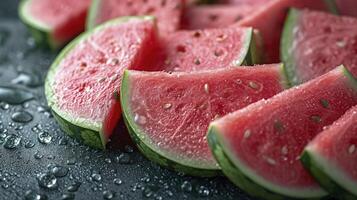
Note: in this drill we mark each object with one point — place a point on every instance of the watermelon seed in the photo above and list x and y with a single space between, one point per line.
247 133
316 118
196 34
206 88
100 80
213 17
113 61
181 49
352 149
221 38
238 18
341 43
325 103
270 161
238 81
114 77
218 53
216 117
167 106
253 85
197 61
284 150
278 126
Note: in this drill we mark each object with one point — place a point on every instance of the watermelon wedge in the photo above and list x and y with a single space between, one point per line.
54 23
168 113
332 157
259 147
83 82
269 19
208 49
314 43
167 12
213 16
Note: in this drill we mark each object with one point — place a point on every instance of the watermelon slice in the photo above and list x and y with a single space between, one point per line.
167 12
314 43
168 114
258 147
54 23
83 82
269 19
207 49
332 157
213 16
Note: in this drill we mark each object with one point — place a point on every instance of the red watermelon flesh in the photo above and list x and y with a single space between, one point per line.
167 12
85 77
65 18
347 7
269 20
316 42
170 113
213 16
205 49
264 140
335 153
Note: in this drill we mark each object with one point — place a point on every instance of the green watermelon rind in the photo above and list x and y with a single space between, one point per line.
251 55
153 153
42 33
287 41
245 178
74 126
92 14
329 177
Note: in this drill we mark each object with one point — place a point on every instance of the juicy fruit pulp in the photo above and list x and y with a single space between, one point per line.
83 81
315 42
167 12
169 113
213 16
54 22
332 156
259 146
207 49
269 19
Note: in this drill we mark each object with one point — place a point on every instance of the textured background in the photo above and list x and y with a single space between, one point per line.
118 173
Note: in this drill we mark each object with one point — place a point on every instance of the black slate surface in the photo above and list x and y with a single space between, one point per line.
121 172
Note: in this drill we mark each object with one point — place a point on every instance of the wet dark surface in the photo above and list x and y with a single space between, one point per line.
37 161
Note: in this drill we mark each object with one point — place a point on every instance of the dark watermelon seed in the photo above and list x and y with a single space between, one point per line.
197 34
278 126
197 61
238 18
213 17
167 106
116 95
316 118
150 10
325 103
181 49
221 38
218 53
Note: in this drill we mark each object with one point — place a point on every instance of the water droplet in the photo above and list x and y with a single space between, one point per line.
12 141
44 137
186 186
32 195
247 133
71 161
68 196
352 149
123 158
140 119
4 106
341 43
284 150
113 61
206 88
117 181
59 171
108 194
27 80
47 180
14 96
29 144
203 191
38 155
221 38
74 187
96 177
270 161
197 61
21 117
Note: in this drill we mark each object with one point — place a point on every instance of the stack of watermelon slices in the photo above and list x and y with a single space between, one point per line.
174 86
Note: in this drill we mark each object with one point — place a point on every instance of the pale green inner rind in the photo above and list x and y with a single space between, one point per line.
42 33
51 76
287 40
144 141
332 6
240 169
244 56
93 14
328 175
350 76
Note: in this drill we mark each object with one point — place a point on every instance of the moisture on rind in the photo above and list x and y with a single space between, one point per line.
150 153
324 180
